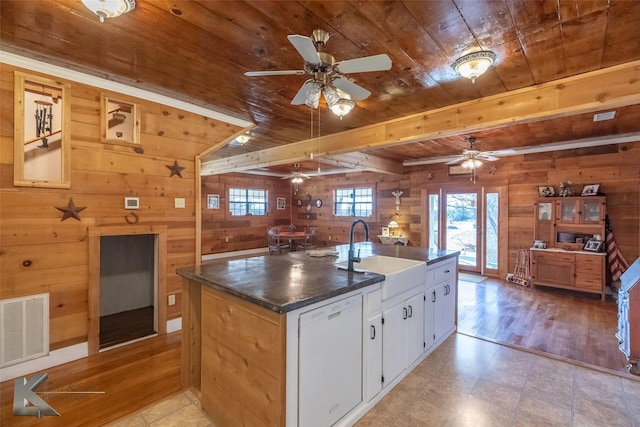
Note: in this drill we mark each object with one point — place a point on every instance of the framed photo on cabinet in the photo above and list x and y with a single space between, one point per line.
546 191
593 245
590 190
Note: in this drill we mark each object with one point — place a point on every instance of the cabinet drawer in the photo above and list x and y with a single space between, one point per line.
593 260
553 257
588 282
445 271
591 270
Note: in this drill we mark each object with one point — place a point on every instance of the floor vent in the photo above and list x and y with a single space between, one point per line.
24 329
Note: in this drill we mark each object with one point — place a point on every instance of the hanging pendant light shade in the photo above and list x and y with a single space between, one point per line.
474 64
109 8
313 95
342 107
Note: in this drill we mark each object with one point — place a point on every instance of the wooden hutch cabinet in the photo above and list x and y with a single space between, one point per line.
565 224
629 316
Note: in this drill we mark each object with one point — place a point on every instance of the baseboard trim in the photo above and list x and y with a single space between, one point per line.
54 358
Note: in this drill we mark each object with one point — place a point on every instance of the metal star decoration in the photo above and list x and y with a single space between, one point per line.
492 170
70 211
176 169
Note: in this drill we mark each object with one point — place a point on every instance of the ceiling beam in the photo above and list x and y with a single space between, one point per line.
357 160
611 87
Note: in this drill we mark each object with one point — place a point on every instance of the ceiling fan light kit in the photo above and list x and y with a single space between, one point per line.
473 65
327 74
109 8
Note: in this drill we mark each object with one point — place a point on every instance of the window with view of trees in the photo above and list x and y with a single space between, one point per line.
247 201
354 202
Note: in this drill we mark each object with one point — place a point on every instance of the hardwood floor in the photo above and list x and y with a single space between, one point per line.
126 326
131 377
570 325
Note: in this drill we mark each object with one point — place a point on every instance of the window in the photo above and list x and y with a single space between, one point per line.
247 201
354 202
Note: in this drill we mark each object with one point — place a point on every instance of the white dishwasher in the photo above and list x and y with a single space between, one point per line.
329 362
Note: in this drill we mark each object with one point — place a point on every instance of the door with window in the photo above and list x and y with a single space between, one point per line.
466 220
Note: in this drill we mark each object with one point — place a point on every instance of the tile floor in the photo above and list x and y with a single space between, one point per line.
468 381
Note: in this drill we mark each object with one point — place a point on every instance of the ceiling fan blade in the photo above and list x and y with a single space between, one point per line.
301 96
380 62
454 161
356 92
305 47
488 157
274 73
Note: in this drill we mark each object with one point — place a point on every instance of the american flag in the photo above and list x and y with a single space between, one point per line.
617 263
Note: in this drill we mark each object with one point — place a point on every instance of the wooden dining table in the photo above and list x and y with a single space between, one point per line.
296 238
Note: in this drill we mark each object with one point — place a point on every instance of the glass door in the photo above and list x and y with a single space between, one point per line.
461 214
468 221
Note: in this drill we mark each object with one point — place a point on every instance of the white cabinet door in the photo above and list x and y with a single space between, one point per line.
429 306
415 328
444 318
374 356
393 342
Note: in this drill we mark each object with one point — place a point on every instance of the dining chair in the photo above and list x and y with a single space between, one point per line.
311 238
274 242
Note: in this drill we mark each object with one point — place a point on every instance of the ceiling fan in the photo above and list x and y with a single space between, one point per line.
296 176
325 72
471 158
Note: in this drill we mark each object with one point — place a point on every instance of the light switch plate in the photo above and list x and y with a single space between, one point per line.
172 299
179 202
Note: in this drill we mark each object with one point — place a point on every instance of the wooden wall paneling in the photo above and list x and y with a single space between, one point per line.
102 175
247 377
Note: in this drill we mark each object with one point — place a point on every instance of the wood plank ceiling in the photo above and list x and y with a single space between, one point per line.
198 51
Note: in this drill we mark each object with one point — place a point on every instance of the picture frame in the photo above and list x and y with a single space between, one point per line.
590 190
280 203
385 231
593 245
455 170
546 191
213 201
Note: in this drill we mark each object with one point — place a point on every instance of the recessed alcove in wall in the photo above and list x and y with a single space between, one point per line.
154 239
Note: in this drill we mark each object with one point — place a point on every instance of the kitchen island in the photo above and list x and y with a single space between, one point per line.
251 338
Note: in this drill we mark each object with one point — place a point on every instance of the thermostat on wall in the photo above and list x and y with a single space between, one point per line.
131 203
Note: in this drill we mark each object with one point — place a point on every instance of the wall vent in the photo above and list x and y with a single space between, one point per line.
24 329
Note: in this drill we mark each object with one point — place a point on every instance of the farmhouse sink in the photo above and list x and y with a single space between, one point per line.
400 274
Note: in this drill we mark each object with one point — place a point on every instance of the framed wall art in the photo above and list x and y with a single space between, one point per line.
213 201
42 152
280 203
120 121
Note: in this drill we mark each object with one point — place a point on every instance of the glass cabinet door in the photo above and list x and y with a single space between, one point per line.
591 211
544 211
568 211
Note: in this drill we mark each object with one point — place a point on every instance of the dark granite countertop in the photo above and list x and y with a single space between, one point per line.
292 280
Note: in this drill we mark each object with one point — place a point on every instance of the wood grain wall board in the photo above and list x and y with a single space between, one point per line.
66 328
102 175
115 162
249 372
42 257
